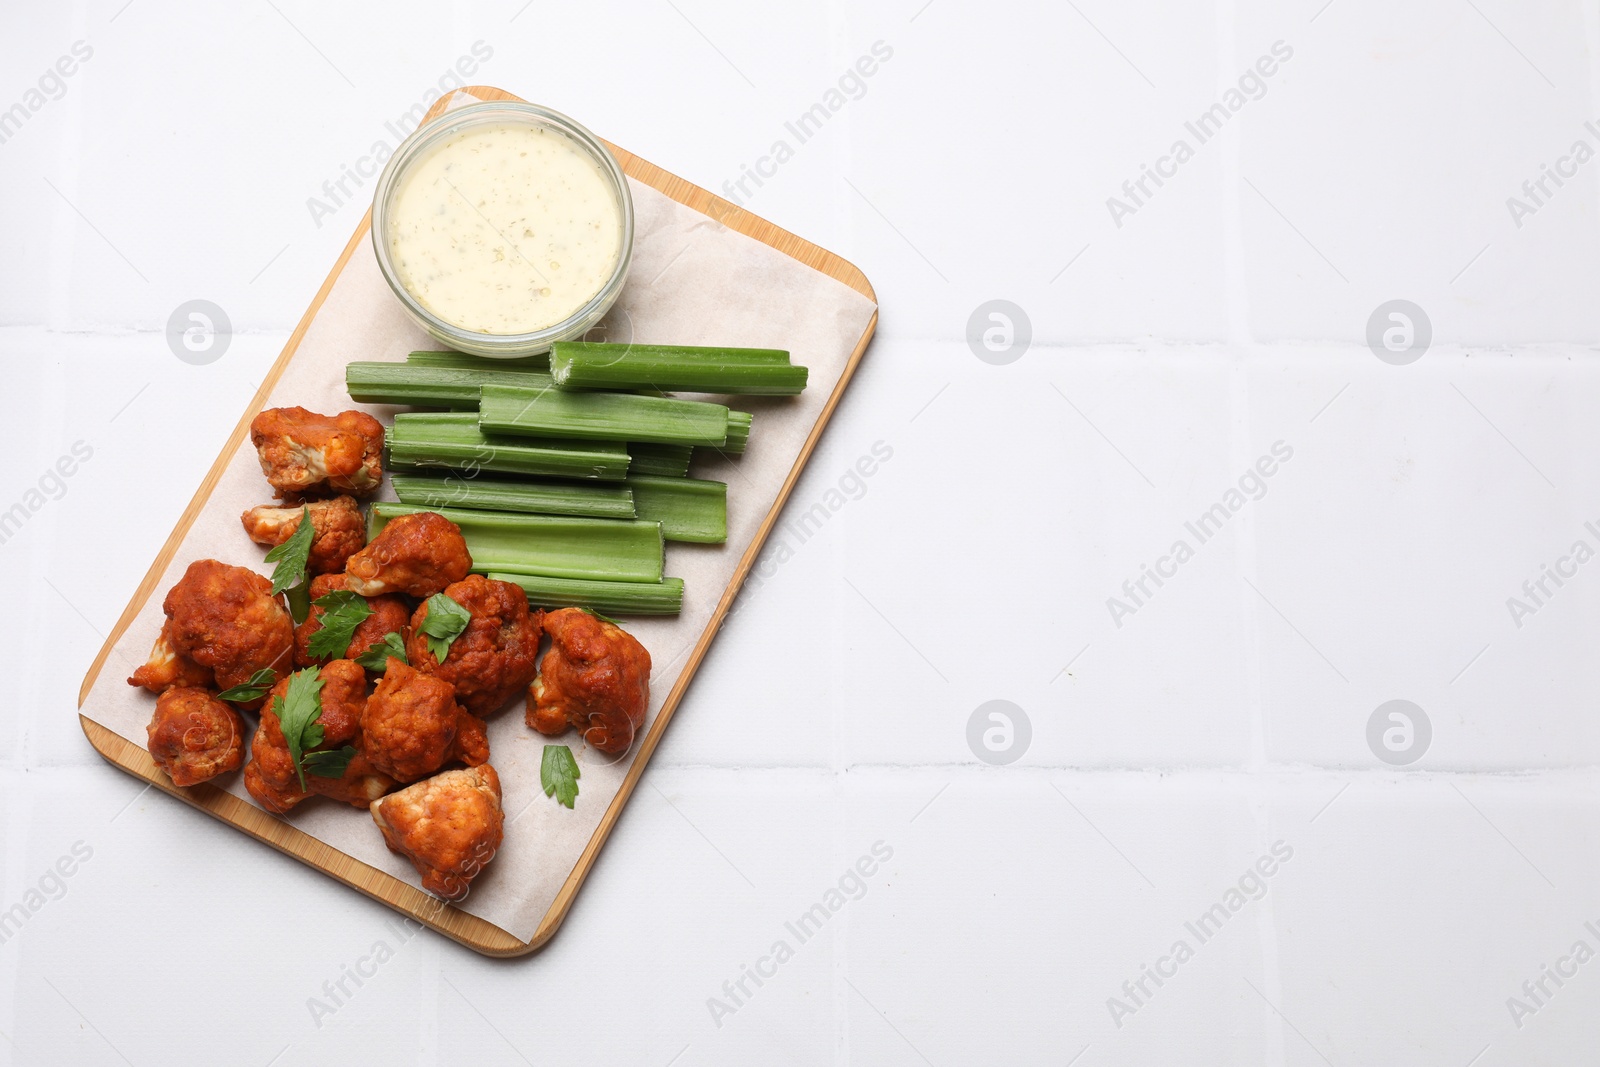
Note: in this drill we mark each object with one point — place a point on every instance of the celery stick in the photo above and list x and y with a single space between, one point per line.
609 598
511 409
425 385
466 361
466 489
755 371
453 440
688 509
605 550
667 461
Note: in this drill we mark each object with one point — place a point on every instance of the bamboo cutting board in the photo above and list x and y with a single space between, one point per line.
472 930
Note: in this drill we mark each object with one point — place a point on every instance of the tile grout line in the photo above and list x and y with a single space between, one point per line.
1236 289
1246 558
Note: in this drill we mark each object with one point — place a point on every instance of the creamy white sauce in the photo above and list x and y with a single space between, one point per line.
505 229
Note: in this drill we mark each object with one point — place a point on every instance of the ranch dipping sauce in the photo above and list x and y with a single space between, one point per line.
504 229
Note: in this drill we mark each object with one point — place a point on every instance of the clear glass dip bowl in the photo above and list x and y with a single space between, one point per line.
421 145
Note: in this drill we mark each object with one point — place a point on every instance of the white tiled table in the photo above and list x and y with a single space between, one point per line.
1229 712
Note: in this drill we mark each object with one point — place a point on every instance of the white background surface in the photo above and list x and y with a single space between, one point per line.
1167 754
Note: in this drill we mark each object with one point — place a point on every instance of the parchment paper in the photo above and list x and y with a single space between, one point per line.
693 281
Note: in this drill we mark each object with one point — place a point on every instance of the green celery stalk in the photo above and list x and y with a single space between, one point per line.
426 385
554 546
466 489
754 371
668 461
465 361
609 598
510 409
688 509
453 440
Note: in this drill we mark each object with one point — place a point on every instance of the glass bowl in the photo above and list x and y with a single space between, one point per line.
420 146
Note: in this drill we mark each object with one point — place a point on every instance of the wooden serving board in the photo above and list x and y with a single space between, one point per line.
469 929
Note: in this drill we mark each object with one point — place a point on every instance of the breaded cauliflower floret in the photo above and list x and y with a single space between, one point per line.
449 827
306 454
595 677
341 530
226 619
495 657
410 725
472 741
418 555
194 737
167 667
270 775
343 695
390 614
359 787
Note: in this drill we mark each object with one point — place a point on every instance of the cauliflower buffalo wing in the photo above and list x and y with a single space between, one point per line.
595 677
360 785
194 737
389 615
412 725
168 668
270 776
418 554
472 741
448 826
495 657
341 531
344 695
306 454
226 619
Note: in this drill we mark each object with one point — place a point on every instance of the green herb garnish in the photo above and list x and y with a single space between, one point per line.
329 764
299 598
256 688
559 774
446 620
376 657
291 556
298 713
342 612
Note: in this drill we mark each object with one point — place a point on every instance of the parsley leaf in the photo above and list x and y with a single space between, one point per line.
299 598
291 556
342 612
298 714
559 774
376 658
446 621
257 687
329 764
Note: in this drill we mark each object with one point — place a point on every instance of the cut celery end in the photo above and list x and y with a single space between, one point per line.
469 489
508 409
609 598
666 461
452 440
738 431
753 371
738 435
626 550
688 509
427 385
